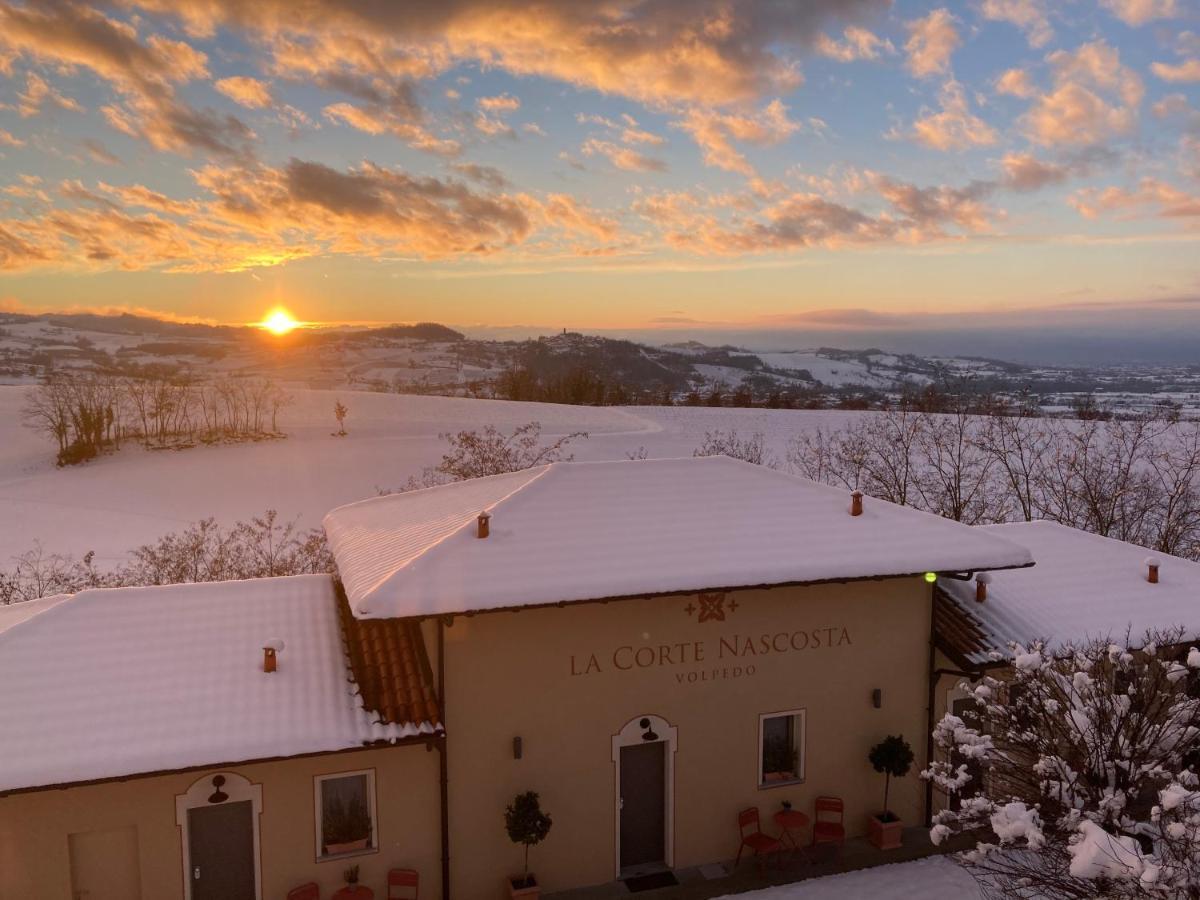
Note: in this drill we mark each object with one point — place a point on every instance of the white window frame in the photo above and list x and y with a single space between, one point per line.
801 738
319 812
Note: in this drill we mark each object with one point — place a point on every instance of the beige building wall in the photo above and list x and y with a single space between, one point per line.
35 828
562 680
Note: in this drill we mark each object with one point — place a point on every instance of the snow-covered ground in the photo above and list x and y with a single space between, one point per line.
935 878
117 502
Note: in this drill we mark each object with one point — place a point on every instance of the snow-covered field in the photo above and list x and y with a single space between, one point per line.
935 878
117 502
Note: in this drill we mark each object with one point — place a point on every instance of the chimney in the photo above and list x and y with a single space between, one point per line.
271 650
1152 569
485 519
856 503
982 580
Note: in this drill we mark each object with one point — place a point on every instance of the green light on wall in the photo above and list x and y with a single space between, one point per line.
931 577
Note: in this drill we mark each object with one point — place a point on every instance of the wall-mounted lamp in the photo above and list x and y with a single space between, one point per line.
877 698
649 734
517 747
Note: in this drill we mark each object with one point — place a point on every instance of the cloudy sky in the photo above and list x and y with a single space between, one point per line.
622 164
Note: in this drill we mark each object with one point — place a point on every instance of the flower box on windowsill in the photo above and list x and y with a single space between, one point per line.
347 847
886 834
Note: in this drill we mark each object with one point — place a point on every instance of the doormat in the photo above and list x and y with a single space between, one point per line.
651 882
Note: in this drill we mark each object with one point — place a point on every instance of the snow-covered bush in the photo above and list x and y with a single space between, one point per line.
490 451
1087 759
261 547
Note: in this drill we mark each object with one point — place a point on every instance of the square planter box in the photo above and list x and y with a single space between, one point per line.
529 892
885 835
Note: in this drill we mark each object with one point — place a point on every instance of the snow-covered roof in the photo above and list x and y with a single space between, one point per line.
569 532
14 614
1083 586
118 682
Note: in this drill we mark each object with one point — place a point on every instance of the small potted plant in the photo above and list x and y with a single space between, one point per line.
893 757
351 878
527 825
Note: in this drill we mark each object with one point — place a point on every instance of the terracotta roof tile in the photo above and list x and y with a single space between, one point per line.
390 666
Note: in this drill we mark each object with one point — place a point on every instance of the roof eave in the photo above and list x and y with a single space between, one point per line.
614 598
379 744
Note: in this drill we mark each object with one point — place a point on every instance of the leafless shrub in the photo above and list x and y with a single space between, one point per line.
751 449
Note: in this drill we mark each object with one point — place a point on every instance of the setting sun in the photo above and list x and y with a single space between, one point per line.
279 321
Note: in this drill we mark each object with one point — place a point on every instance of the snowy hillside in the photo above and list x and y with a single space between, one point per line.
117 502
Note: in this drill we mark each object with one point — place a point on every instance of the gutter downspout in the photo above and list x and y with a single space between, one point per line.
443 767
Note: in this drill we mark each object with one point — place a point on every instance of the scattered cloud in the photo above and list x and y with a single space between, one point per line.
715 132
378 120
1094 98
1024 172
252 93
953 126
1028 15
931 42
1139 12
37 92
857 43
1151 196
143 72
1188 70
1015 83
622 157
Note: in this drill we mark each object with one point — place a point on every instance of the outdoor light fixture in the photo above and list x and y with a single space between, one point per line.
649 735
218 796
877 698
517 748
931 577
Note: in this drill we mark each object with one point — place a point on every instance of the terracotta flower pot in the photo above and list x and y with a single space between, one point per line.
885 835
518 888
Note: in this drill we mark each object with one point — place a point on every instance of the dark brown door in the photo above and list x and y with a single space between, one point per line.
643 804
221 851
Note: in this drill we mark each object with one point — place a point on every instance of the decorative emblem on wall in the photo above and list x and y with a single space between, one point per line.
712 607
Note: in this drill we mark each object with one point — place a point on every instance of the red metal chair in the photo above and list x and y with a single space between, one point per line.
403 878
828 822
310 891
762 844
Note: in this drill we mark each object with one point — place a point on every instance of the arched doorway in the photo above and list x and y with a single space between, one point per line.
218 821
643 754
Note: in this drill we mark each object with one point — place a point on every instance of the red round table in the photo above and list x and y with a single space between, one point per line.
358 892
790 821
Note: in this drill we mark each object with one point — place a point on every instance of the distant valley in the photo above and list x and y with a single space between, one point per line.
568 367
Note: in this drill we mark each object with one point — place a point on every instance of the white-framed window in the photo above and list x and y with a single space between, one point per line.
344 805
780 748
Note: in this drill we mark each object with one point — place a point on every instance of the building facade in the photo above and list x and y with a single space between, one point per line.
652 647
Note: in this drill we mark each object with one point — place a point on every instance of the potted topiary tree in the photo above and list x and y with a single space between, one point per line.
893 757
527 825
